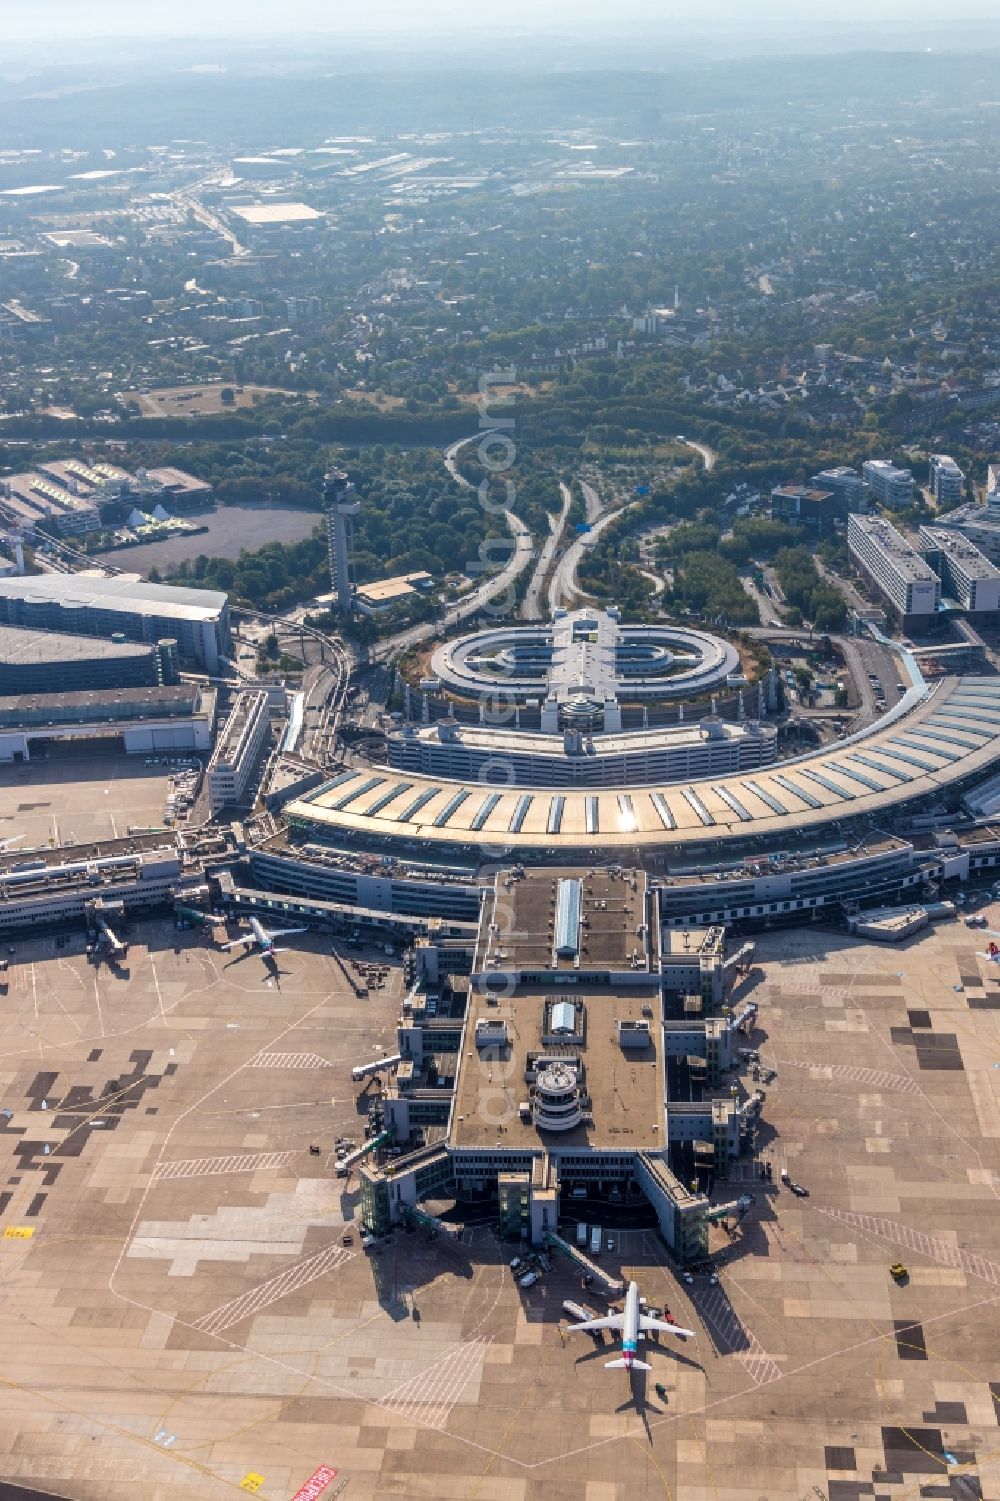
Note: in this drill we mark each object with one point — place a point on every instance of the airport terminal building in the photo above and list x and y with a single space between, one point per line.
574 1051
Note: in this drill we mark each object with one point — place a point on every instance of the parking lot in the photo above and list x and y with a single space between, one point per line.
78 797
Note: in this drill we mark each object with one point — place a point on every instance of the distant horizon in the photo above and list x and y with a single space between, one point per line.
248 22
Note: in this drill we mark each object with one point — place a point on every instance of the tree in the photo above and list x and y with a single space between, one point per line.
227 396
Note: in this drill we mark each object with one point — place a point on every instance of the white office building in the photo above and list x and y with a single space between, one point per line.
890 486
966 576
945 480
239 749
909 584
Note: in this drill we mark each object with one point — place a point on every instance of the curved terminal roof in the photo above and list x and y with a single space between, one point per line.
948 737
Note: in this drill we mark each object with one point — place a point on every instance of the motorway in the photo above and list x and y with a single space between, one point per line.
843 586
185 198
592 501
768 610
563 588
495 586
532 606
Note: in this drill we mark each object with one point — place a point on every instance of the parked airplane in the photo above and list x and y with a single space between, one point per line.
261 939
631 1324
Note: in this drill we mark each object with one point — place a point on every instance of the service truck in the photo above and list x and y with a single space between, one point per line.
595 1240
581 1234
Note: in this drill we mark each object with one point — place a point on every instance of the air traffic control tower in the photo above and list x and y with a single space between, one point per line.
341 504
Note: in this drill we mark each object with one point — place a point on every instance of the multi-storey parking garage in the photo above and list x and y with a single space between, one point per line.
938 740
670 753
583 663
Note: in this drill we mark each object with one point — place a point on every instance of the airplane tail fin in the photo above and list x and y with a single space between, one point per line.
622 1364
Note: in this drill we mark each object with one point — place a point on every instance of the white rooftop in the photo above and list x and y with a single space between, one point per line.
123 592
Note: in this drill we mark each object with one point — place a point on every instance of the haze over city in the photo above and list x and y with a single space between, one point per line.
850 22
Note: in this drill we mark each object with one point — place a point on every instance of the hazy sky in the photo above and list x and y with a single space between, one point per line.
58 19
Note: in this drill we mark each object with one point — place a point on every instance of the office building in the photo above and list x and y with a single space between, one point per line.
979 525
302 309
87 605
945 480
378 597
31 500
890 486
910 587
816 511
239 749
845 482
968 578
55 662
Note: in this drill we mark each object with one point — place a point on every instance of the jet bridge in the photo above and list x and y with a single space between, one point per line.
612 1286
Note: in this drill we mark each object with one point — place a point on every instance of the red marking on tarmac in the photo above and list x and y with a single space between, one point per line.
316 1484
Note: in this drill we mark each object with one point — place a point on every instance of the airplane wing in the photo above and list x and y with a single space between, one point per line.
284 932
613 1321
646 1323
236 943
